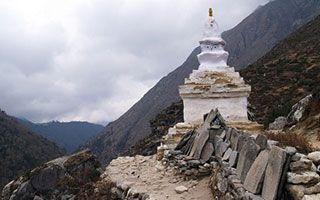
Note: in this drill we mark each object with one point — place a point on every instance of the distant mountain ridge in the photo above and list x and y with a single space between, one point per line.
69 135
134 125
21 150
262 30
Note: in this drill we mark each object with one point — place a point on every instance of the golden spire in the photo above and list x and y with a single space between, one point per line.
210 12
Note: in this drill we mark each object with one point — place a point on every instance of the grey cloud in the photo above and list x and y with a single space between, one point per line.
94 59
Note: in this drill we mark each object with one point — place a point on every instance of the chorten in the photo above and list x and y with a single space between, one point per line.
215 85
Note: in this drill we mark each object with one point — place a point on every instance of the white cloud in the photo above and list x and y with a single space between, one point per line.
92 60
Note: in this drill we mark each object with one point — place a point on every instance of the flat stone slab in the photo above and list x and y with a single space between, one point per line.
227 154
254 180
233 159
247 156
275 167
222 148
228 134
207 152
234 139
242 140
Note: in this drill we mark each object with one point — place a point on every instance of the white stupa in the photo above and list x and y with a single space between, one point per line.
213 85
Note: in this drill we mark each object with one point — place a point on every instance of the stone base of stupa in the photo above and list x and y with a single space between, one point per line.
207 90
176 133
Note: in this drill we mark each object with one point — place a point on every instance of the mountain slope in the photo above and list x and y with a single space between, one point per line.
134 125
120 135
21 150
69 135
286 74
262 30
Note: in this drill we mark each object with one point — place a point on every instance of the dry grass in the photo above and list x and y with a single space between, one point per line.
300 142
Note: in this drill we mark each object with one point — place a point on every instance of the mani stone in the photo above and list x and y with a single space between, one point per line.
247 156
274 171
262 141
234 139
228 134
242 139
221 148
227 154
223 134
233 159
207 152
254 180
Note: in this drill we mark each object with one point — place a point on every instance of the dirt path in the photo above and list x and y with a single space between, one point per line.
145 174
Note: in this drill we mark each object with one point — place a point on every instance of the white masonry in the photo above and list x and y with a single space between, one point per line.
214 84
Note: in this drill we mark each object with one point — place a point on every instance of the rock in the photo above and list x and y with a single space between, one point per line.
233 159
247 156
222 148
315 157
297 156
278 124
39 198
302 165
56 179
47 178
296 191
273 177
311 197
227 154
272 143
254 180
207 152
203 135
251 196
303 178
234 139
194 163
291 150
242 140
262 141
298 110
312 190
181 189
228 134
223 134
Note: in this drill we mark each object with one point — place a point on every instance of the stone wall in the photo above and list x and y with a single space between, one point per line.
247 166
252 167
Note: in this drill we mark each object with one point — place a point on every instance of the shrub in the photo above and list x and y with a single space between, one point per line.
300 142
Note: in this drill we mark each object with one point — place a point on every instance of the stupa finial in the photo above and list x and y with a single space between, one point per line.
210 12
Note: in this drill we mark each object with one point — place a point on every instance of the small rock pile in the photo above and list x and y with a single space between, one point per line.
303 180
186 166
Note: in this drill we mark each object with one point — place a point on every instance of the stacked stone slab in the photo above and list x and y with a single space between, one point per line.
303 180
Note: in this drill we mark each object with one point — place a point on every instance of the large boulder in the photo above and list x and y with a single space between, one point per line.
298 110
56 179
278 124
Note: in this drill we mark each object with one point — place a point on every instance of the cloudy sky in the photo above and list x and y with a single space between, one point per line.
91 60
